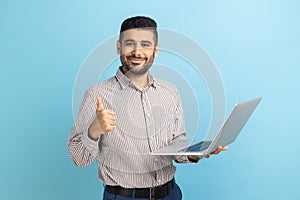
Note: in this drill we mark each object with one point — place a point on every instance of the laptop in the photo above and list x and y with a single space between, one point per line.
225 136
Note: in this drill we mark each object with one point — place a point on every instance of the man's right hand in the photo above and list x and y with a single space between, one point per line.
105 121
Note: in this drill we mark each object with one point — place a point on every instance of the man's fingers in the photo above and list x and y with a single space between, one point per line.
222 148
108 128
107 114
99 103
219 149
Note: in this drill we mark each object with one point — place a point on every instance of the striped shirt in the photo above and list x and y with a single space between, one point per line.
145 121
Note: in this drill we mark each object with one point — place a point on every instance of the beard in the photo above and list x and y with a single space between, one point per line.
136 69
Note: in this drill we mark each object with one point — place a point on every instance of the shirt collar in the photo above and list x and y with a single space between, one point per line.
125 82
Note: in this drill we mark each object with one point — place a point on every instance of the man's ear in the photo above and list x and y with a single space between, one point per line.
118 47
156 50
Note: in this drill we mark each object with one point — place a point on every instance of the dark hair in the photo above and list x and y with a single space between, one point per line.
140 22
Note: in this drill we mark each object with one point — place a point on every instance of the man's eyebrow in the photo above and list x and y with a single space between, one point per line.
129 40
146 41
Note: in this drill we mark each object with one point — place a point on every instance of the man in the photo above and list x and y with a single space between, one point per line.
124 118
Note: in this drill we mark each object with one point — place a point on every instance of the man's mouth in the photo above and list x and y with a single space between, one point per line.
136 60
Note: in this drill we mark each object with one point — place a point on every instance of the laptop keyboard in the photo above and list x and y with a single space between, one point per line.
200 146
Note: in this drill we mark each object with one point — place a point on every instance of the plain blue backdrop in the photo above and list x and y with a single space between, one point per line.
254 44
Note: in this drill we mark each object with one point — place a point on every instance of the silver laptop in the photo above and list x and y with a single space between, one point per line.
226 135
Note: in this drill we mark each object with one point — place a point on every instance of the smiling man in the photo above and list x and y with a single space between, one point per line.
137 48
123 119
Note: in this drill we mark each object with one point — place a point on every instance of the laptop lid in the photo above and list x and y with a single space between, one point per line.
234 124
226 135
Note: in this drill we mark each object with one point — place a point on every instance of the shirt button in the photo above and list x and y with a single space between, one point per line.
159 180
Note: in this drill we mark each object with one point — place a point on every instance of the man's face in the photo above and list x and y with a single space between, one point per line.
137 50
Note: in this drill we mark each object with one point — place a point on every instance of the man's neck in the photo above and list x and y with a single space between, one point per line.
139 80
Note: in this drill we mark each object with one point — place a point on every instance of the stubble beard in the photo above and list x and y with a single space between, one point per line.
142 70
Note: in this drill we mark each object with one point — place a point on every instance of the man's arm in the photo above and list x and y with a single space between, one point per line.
91 123
82 149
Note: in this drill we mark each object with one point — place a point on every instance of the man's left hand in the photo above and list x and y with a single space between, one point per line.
217 151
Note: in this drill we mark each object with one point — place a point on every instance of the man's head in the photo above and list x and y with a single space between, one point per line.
139 22
137 44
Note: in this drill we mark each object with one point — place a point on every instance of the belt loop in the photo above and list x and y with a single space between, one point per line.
151 197
133 194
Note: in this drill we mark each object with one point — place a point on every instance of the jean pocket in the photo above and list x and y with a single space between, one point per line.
109 196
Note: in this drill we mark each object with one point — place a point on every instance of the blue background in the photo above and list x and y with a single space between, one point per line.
254 44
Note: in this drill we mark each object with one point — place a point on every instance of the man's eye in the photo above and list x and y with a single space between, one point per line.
145 45
129 44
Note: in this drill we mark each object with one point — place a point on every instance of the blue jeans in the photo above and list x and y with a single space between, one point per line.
174 195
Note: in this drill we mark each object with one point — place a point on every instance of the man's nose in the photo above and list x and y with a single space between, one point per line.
137 50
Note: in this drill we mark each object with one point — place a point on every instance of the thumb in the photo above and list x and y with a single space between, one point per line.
99 103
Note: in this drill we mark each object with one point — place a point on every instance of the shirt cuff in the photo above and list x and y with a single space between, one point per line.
91 145
181 159
184 159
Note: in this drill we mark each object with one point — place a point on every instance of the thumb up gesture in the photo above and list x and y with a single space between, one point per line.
105 121
106 118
